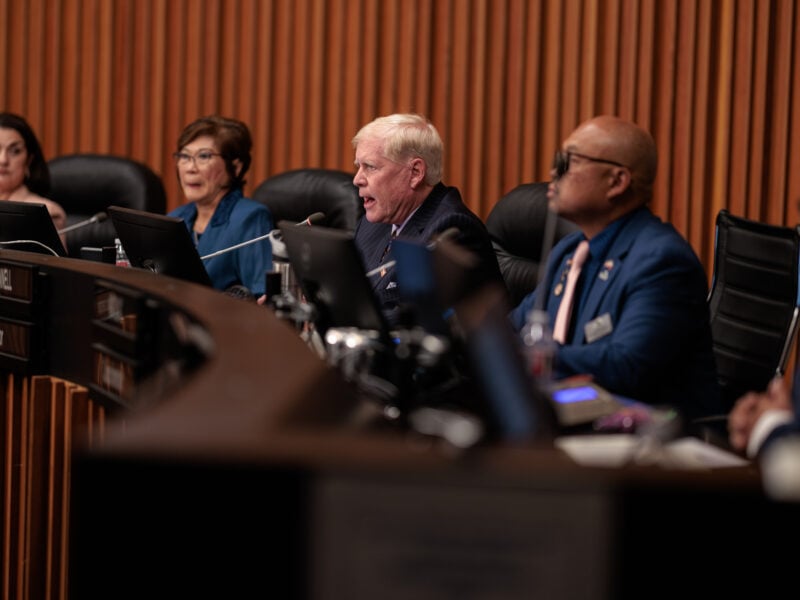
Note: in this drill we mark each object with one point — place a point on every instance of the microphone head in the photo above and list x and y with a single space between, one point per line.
445 236
448 234
316 218
99 217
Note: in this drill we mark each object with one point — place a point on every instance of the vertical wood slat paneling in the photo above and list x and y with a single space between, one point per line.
742 114
793 184
504 81
41 418
665 104
478 113
13 392
512 110
781 97
703 139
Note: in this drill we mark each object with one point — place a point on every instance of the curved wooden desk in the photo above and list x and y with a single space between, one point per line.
236 467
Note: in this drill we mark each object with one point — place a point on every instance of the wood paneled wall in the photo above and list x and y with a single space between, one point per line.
505 81
42 418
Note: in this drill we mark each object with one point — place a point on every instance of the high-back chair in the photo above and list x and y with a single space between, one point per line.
753 302
87 184
294 195
516 225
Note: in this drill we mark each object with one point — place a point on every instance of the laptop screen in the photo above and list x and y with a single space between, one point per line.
23 221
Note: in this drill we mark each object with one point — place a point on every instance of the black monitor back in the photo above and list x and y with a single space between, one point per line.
159 243
332 276
28 221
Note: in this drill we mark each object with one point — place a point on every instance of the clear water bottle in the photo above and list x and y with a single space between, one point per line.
122 258
540 347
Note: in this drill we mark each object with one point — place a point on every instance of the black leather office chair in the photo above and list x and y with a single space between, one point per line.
753 302
85 184
294 195
516 225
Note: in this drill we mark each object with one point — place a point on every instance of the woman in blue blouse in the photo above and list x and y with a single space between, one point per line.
212 158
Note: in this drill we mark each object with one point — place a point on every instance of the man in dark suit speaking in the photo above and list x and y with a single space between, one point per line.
638 322
399 171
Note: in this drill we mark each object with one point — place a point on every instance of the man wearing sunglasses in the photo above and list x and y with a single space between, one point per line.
639 322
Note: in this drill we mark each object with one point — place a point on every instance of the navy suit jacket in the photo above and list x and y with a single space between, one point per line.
441 210
647 317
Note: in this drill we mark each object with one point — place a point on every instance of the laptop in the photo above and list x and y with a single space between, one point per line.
329 269
27 226
159 243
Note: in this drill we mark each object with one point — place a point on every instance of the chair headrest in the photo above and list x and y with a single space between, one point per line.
517 220
88 183
294 195
516 225
85 184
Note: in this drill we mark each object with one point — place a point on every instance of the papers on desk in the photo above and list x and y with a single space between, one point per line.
617 450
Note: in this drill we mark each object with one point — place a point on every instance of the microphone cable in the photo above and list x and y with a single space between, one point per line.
48 248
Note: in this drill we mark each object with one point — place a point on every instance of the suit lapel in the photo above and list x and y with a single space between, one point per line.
376 237
609 271
416 226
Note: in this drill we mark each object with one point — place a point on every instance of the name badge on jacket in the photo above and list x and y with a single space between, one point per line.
597 328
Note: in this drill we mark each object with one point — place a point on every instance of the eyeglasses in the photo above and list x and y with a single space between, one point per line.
201 159
561 162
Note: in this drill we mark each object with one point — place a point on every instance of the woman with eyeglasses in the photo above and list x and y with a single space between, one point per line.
24 176
212 159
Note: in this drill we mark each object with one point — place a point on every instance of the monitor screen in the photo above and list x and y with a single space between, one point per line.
158 243
22 221
418 282
331 274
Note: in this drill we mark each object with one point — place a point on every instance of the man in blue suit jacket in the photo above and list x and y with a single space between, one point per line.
399 170
640 322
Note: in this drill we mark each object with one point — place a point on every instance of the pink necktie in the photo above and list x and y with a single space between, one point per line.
565 308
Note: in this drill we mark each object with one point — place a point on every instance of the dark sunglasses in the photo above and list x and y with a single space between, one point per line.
561 162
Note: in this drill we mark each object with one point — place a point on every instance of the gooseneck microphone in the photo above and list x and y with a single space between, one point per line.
95 218
316 218
312 219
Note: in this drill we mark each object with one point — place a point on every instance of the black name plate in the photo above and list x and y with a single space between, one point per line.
16 281
15 338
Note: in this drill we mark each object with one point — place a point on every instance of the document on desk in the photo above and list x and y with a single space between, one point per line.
617 450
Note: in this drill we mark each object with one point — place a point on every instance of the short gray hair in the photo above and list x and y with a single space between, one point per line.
407 136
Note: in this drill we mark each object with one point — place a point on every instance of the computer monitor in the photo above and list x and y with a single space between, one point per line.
21 221
419 281
158 243
515 407
432 277
330 272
